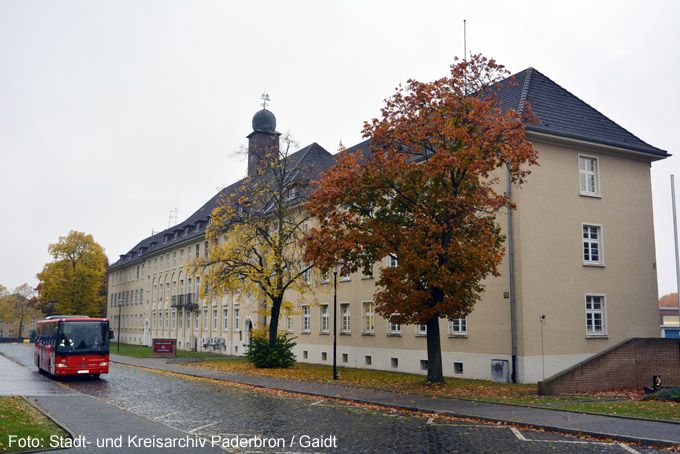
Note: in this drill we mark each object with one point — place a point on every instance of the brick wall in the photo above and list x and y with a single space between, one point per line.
627 365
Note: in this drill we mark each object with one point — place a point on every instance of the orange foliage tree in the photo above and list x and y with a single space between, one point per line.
428 193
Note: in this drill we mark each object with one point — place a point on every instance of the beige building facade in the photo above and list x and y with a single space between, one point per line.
579 275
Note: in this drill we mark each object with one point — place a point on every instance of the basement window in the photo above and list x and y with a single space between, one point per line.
457 368
423 364
395 362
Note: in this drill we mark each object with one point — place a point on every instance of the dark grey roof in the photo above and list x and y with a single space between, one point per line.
562 114
310 161
559 112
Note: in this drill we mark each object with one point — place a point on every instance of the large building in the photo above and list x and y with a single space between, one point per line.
579 277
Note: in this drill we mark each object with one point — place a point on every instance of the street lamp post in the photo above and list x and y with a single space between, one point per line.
335 323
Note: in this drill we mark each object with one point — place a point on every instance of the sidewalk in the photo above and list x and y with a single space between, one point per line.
616 428
86 416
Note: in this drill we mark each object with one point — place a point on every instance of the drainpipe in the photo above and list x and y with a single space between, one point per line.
511 276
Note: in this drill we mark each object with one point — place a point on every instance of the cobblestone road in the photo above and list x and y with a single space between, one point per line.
209 409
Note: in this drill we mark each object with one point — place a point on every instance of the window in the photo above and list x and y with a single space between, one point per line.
394 362
214 318
344 277
225 319
345 315
668 320
205 249
305 354
458 326
307 275
236 318
324 318
205 318
368 275
393 327
324 278
421 330
289 323
174 315
393 261
324 356
423 364
595 315
306 319
180 318
457 368
368 318
588 175
592 244
345 357
198 250
368 360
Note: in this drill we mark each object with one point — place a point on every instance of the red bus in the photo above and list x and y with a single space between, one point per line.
72 345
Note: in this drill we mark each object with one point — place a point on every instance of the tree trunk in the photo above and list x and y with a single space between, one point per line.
434 352
274 321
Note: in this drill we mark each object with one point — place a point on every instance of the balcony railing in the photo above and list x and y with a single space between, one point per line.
188 301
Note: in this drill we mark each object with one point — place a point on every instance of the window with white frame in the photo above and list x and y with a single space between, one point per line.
589 179
289 323
236 318
421 330
458 326
592 244
214 318
344 277
393 327
345 316
324 318
225 319
323 278
368 275
306 319
205 318
596 324
393 261
368 317
307 276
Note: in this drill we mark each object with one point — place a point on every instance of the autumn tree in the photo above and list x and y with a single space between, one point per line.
427 192
18 306
256 232
73 281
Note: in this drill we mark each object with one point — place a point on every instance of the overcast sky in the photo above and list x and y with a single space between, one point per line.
114 113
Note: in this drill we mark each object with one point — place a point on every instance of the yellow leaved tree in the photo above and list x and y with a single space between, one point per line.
74 282
256 232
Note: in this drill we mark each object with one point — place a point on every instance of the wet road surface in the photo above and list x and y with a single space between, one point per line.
290 424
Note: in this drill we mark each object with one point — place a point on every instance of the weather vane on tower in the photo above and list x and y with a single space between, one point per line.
265 100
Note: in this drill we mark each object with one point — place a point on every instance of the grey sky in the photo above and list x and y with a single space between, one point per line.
113 113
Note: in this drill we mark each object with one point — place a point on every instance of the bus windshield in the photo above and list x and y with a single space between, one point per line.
83 337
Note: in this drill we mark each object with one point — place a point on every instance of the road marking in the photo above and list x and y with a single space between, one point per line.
165 416
628 448
202 427
518 434
430 421
318 402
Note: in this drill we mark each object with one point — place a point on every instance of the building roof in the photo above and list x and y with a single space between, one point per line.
559 114
309 161
562 114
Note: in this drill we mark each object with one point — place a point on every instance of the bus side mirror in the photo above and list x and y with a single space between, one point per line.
110 334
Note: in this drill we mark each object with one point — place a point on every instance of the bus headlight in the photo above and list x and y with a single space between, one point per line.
62 365
103 364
